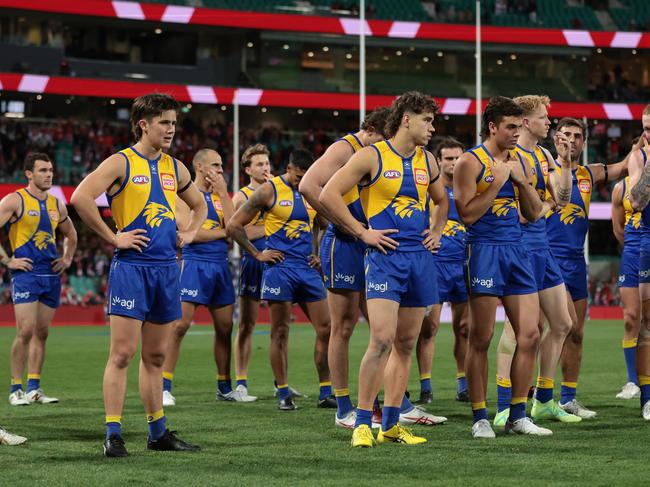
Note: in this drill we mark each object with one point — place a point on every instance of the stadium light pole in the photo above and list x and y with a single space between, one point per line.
362 60
235 162
479 86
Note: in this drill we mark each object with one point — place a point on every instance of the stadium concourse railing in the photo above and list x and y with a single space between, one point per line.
178 14
214 95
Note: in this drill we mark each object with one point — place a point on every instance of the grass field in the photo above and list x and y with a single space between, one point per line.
254 444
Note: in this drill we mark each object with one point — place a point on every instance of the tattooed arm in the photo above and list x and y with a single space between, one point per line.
236 228
639 182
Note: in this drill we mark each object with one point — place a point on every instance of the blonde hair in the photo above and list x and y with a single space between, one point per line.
531 103
646 110
253 150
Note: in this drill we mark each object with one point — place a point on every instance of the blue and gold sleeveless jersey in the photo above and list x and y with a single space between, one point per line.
258 220
397 196
500 223
147 200
289 222
215 250
534 234
632 230
567 227
31 235
351 198
454 235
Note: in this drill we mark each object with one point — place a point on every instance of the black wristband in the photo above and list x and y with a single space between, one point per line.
606 172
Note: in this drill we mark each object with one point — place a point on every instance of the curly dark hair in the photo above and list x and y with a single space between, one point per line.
572 122
447 143
497 108
411 101
148 106
376 120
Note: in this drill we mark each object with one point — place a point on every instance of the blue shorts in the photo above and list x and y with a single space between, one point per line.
644 267
545 269
342 263
574 272
143 292
250 277
293 282
27 288
629 273
206 283
406 277
452 287
499 270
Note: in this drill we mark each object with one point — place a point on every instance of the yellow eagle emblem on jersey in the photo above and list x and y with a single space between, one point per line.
502 206
293 228
210 225
42 239
452 228
405 205
636 220
155 213
570 212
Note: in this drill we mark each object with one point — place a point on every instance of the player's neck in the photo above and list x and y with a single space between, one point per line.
446 181
403 144
361 135
38 193
147 150
254 184
288 180
527 141
492 147
202 184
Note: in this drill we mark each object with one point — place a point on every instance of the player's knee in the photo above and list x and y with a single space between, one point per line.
323 330
381 343
280 333
480 341
631 321
24 335
576 336
528 340
181 327
245 327
344 331
462 330
41 333
122 358
404 344
154 358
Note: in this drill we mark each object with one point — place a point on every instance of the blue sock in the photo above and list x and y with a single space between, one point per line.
113 426
157 423
425 383
390 417
644 385
283 391
568 391
343 402
461 383
242 381
479 411
406 405
517 408
363 417
224 384
504 393
629 350
167 384
33 382
16 386
325 389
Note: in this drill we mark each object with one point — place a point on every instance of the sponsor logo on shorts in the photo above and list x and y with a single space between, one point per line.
192 293
621 279
250 288
380 287
123 303
285 203
584 185
168 182
421 177
345 278
271 290
23 295
392 174
645 273
488 179
140 179
32 213
488 283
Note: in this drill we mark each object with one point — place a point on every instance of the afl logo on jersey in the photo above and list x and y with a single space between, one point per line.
285 203
140 179
584 185
392 174
168 182
488 179
32 213
421 177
